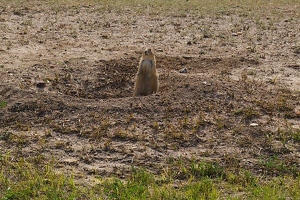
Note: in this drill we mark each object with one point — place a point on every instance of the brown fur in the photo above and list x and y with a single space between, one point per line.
146 78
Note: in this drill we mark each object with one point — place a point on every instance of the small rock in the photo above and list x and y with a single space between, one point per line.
237 33
254 124
187 57
206 83
183 70
295 126
189 43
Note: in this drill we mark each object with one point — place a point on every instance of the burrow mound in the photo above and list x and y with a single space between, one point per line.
115 78
98 80
73 84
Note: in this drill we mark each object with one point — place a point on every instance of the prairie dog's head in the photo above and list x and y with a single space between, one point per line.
148 54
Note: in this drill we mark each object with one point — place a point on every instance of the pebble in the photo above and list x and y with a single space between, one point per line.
254 124
236 34
206 83
183 70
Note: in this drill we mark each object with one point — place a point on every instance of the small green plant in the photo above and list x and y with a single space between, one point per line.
204 189
3 104
137 186
243 178
273 189
248 113
206 169
273 164
193 170
296 135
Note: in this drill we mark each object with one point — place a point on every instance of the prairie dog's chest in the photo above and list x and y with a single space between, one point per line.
147 64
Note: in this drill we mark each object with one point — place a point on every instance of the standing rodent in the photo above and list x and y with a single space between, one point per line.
146 78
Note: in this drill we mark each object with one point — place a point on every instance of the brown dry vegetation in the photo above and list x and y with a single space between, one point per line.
67 80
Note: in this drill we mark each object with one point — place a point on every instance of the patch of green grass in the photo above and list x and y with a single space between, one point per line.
136 186
3 104
288 134
183 169
143 185
278 188
243 178
206 169
20 179
32 178
296 136
275 165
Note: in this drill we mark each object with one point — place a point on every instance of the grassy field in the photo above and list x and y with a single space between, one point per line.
33 179
38 177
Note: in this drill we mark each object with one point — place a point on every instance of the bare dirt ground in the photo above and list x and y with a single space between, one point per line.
67 77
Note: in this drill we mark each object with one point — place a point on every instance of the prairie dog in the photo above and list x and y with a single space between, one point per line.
146 78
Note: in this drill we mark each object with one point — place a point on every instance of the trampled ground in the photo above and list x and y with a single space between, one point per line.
67 79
